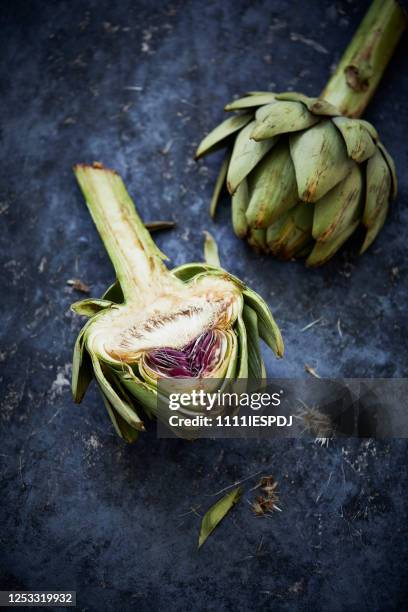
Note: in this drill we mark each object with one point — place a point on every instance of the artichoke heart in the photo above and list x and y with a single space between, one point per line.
173 320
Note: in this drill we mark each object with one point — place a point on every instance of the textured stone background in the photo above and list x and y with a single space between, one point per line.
135 85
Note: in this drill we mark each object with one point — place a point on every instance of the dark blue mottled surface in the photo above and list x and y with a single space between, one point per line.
135 85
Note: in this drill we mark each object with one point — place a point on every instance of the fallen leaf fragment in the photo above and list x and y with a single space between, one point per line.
216 513
78 285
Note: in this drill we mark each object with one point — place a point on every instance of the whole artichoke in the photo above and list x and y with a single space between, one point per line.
302 176
304 173
195 322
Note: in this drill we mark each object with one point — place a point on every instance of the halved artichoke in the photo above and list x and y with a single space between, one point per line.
195 322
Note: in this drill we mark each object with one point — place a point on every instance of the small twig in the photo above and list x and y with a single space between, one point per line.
234 484
259 547
191 511
20 471
54 415
309 42
324 486
259 552
306 327
167 148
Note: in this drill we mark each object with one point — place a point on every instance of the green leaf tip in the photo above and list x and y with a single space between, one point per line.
216 513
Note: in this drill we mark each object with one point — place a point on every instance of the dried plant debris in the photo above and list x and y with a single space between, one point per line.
266 503
317 423
78 285
156 226
324 442
312 371
216 513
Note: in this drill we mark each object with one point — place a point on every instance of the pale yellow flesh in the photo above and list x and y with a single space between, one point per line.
171 320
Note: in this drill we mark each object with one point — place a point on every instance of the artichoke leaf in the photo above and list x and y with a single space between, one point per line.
122 428
273 187
82 372
257 239
317 106
340 207
211 255
145 394
155 404
215 139
90 306
121 406
114 293
186 272
294 233
267 327
280 118
391 166
305 250
255 99
370 129
254 354
243 348
220 272
231 361
239 204
255 93
193 271
263 111
320 159
375 227
359 143
323 251
378 187
275 231
245 156
216 513
82 365
219 183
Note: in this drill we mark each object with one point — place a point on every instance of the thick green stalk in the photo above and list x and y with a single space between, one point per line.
360 69
137 261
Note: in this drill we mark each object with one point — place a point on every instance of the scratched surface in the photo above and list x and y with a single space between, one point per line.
135 84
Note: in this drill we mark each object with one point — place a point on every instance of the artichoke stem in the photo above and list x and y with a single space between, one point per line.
360 69
137 260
